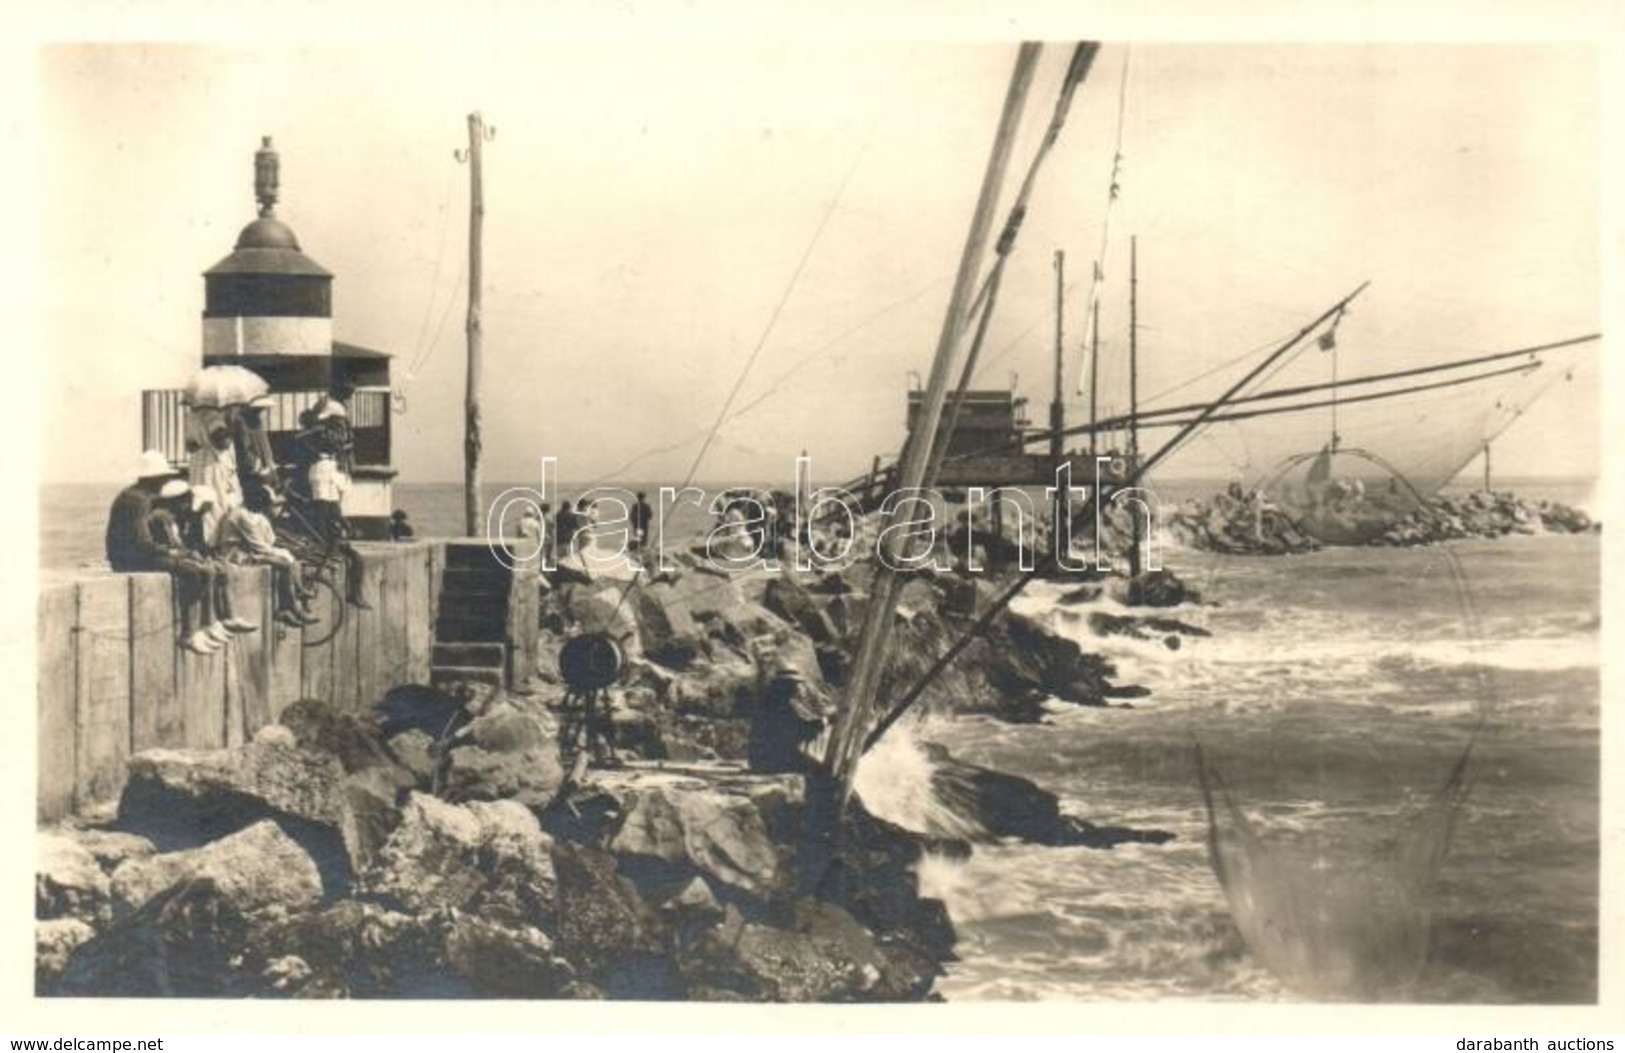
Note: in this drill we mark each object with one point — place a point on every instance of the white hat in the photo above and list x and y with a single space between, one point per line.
154 465
203 496
175 488
330 408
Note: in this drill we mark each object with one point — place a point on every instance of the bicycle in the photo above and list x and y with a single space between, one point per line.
321 556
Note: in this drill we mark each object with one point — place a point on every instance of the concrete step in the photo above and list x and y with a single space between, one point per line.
483 655
472 555
441 675
464 629
470 581
455 606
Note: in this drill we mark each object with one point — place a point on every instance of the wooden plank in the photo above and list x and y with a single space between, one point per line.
419 613
437 571
248 672
58 609
367 625
156 718
200 684
284 647
522 626
102 679
316 662
396 657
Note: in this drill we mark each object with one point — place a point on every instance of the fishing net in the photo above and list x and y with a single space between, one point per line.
1348 470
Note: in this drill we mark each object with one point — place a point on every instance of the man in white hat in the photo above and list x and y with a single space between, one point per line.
130 547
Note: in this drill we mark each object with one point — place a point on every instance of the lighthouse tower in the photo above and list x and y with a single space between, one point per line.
269 308
267 298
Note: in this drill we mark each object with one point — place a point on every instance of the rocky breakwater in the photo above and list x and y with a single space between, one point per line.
1237 525
1482 514
334 856
440 844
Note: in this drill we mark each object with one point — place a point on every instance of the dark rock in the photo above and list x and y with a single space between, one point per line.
670 635
318 728
786 597
188 941
501 961
1158 588
603 922
430 711
824 955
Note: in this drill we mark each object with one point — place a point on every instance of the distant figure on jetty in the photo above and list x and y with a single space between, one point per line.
146 534
399 528
642 516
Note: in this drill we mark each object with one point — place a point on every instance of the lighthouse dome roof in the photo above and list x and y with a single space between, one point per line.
267 232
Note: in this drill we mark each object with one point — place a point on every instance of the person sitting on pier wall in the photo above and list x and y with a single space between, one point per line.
133 547
214 464
199 578
251 443
246 537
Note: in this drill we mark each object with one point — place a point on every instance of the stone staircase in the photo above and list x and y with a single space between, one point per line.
486 620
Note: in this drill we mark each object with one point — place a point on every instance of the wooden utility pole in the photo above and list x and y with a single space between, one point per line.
478 135
1134 396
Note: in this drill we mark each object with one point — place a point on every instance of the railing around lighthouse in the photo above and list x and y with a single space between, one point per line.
166 422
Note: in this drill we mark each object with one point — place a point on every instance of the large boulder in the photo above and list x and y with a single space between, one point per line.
487 858
730 830
217 791
257 867
510 753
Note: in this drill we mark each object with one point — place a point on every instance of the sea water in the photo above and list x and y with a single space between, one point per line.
1336 692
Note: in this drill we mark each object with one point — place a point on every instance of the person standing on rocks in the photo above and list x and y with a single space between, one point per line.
642 517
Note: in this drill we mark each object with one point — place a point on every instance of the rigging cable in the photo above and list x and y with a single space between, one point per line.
767 331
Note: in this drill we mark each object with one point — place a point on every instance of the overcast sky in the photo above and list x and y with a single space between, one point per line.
649 202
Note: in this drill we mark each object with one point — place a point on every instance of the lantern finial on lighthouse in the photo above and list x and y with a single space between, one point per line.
265 176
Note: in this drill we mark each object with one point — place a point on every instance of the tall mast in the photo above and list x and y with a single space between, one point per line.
1094 374
1134 391
1057 410
478 135
863 684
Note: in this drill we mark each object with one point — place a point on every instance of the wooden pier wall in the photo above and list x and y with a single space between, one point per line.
113 682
